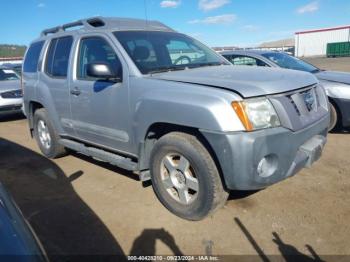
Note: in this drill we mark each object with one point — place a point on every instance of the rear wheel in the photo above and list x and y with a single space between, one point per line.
46 136
185 177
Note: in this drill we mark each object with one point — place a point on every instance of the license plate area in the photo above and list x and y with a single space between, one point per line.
313 149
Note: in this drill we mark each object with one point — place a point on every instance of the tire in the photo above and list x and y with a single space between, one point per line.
50 146
334 123
172 177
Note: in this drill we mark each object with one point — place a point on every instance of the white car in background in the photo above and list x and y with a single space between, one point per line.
11 97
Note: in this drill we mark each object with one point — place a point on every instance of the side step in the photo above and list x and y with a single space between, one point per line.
99 154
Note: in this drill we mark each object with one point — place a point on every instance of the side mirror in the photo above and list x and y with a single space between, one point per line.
102 71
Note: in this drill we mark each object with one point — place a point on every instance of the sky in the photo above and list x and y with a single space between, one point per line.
215 22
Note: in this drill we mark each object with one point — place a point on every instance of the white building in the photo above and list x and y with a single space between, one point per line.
314 42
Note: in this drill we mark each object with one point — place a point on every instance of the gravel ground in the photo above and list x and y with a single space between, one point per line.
77 205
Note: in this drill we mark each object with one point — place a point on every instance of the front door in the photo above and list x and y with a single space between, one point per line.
100 107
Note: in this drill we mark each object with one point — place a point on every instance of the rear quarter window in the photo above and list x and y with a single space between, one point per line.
31 60
58 56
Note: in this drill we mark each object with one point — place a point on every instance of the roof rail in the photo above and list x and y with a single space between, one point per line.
108 22
85 23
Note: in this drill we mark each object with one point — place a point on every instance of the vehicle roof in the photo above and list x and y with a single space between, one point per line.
247 51
100 23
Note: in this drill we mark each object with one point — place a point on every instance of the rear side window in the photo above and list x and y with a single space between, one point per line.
58 56
32 57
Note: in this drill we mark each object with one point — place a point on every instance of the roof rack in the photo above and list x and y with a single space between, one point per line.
85 23
112 23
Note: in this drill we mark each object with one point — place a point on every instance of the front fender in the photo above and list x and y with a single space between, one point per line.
202 108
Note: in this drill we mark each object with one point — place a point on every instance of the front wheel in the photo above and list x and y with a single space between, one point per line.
185 177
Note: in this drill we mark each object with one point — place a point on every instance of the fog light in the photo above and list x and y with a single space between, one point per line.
267 166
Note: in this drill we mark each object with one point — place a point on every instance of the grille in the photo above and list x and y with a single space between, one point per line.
301 108
294 105
12 94
310 99
305 101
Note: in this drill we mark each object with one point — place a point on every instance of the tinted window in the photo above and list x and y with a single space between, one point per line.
8 74
286 61
154 52
58 56
32 57
96 50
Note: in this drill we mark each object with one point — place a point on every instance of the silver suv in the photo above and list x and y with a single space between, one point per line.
143 97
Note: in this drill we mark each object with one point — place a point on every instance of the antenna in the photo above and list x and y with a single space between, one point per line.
146 12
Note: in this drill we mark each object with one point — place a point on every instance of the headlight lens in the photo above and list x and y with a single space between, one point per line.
256 113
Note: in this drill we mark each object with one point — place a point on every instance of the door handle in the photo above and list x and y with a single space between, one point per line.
75 91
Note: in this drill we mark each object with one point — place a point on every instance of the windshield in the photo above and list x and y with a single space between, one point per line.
290 62
154 52
8 74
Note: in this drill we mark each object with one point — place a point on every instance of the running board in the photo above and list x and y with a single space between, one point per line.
99 154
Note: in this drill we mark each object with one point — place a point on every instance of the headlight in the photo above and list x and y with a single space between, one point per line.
256 113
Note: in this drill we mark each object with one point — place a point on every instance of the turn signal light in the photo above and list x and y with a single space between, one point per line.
239 108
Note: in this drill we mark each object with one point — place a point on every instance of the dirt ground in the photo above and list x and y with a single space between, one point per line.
77 205
338 64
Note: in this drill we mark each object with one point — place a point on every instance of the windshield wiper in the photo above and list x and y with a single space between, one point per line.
166 69
187 66
206 64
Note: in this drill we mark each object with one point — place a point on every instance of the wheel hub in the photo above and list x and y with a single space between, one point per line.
44 134
179 179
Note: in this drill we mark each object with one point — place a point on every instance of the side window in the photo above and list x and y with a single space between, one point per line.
32 57
246 60
58 56
96 50
243 60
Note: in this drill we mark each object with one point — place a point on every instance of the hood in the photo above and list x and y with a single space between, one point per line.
10 85
340 77
244 80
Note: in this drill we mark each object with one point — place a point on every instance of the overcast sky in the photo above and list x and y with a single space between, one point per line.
216 22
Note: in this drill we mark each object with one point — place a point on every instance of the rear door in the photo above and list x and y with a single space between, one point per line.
100 108
55 79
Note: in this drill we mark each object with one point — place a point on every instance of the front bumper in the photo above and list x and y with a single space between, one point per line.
239 154
10 105
344 107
